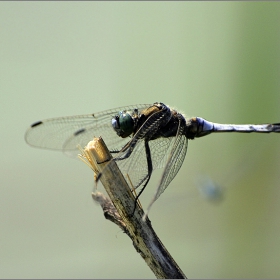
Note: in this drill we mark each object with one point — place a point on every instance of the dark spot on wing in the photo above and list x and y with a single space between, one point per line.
79 131
36 123
93 115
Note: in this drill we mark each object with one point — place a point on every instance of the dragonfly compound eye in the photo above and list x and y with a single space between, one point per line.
123 124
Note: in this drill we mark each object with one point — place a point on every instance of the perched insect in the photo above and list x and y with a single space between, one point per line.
144 137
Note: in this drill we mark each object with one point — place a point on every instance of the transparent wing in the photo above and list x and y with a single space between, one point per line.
174 163
136 165
65 133
176 155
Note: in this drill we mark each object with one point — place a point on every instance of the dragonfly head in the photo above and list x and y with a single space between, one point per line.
123 123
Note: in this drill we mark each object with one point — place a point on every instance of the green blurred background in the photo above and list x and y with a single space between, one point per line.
217 60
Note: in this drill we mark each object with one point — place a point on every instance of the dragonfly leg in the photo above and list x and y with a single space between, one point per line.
123 149
128 148
150 170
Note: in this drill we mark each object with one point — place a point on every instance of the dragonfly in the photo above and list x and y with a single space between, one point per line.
142 138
